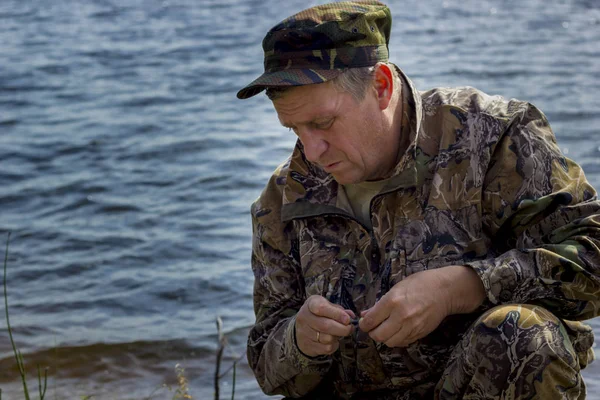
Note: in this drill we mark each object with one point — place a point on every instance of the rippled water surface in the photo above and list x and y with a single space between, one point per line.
127 166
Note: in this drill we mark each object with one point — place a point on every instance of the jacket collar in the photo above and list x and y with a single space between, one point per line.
310 191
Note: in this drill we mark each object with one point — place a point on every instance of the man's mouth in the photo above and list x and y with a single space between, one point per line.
331 166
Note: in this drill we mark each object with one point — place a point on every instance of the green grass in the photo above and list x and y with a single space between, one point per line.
17 352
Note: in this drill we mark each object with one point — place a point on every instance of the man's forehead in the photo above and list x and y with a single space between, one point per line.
302 105
317 119
301 111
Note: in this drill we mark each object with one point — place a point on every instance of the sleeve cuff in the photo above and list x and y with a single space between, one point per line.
499 276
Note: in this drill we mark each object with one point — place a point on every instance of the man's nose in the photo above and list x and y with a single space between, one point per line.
314 145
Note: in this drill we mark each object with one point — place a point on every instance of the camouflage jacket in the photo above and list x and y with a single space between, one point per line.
483 183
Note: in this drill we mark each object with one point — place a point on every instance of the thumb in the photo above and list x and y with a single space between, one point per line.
343 316
372 317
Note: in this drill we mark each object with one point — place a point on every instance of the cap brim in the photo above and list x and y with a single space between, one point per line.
290 77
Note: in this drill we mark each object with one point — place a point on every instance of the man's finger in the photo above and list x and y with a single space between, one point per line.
319 306
388 331
402 338
374 316
328 348
347 311
308 344
330 326
325 338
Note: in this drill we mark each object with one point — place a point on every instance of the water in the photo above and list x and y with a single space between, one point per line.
128 166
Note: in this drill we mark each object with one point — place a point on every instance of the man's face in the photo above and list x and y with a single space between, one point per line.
350 140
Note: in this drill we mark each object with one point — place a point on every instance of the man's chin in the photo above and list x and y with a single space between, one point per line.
343 179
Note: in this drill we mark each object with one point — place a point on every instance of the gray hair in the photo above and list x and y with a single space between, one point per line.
353 80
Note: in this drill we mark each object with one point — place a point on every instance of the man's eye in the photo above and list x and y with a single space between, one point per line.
324 125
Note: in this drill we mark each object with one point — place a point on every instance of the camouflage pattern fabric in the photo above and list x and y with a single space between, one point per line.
482 183
511 352
317 44
514 352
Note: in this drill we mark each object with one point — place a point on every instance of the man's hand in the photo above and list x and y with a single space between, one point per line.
415 306
320 324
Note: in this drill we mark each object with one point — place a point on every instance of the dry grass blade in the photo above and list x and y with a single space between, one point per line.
221 348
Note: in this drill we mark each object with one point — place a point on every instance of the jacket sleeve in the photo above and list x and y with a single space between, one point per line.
543 218
278 364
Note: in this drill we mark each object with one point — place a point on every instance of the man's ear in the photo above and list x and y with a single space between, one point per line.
384 85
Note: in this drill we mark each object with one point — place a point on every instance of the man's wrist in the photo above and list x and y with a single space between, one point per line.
467 292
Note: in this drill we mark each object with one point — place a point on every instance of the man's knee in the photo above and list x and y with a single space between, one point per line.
522 316
523 333
527 346
515 351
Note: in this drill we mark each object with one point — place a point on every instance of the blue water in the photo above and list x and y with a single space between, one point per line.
128 166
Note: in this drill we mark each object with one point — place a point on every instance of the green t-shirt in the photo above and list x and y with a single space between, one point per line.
357 199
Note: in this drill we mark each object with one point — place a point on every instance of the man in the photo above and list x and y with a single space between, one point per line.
414 245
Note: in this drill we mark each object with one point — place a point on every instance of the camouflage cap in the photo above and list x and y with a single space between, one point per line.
319 43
